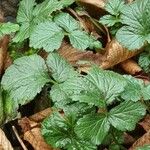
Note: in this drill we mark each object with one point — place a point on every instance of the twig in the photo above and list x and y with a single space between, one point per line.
19 139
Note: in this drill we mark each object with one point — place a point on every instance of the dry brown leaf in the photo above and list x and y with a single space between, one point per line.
128 139
130 66
3 52
32 134
38 117
116 54
94 7
97 3
8 61
146 123
4 142
75 57
144 140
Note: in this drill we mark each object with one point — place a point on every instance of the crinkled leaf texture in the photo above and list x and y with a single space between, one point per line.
47 35
30 14
109 83
136 31
60 68
25 78
59 132
94 127
114 7
123 117
7 28
144 61
126 115
135 90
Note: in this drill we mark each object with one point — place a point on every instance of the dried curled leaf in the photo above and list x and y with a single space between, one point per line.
94 7
116 54
38 117
144 140
97 3
32 134
78 58
146 123
4 142
3 52
131 67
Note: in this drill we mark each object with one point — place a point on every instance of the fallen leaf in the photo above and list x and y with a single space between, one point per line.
130 66
4 142
3 52
145 123
116 54
32 134
144 140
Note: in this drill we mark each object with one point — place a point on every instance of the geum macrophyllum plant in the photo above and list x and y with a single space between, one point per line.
89 114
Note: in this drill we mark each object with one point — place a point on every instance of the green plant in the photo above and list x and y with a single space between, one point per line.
79 96
135 22
46 29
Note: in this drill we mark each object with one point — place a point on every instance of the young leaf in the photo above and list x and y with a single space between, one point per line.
59 132
42 11
126 115
144 61
79 39
135 90
67 22
109 20
77 109
24 17
109 83
47 35
61 70
137 25
114 7
25 78
67 3
7 28
93 127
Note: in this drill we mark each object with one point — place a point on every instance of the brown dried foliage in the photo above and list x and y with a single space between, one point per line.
4 142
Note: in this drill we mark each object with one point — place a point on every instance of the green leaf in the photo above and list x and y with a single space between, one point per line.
93 127
10 107
145 147
23 33
25 11
109 20
25 17
91 97
114 7
67 22
60 95
25 78
146 92
144 61
43 11
59 132
67 3
78 109
61 70
109 83
7 28
126 115
1 108
46 35
79 39
137 25
135 90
